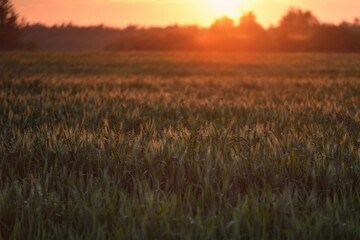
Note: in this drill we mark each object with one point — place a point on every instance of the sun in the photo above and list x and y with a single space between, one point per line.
230 8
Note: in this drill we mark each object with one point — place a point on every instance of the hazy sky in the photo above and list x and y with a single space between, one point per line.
164 12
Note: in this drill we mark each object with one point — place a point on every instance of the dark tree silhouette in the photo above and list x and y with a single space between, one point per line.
295 29
249 24
9 27
298 30
297 23
252 36
250 27
223 24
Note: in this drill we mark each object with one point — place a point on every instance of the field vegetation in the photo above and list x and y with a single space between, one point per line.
179 146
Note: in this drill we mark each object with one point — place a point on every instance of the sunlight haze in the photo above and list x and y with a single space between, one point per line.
166 12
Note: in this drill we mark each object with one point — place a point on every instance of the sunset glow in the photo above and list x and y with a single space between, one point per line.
183 12
230 8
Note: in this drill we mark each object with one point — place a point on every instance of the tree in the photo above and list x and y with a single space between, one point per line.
297 23
295 30
251 34
249 25
223 24
9 28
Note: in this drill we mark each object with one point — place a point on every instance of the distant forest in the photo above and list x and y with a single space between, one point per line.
298 30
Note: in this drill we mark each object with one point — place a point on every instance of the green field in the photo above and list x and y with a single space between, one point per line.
179 146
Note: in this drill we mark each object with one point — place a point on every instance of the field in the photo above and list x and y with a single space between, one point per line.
179 146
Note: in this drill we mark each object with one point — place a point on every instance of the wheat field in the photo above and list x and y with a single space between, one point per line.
165 145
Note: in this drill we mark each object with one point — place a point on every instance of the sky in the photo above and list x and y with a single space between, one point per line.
120 13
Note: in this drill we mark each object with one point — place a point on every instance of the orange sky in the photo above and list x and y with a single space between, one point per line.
165 12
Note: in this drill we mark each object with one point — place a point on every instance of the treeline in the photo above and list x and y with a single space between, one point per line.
68 37
297 30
